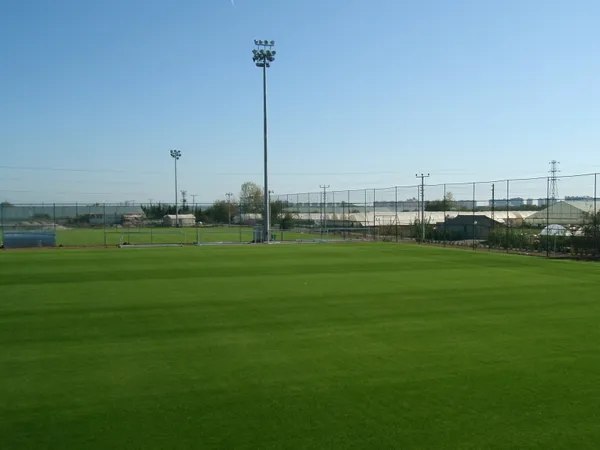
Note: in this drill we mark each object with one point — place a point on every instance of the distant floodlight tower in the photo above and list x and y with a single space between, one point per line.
176 154
263 55
554 171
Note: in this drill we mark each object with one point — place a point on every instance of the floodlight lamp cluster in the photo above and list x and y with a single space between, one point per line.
176 154
263 56
264 43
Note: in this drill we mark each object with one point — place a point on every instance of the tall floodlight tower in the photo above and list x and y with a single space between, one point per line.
176 154
263 56
554 171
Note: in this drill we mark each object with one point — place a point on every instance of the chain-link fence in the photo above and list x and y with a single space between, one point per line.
519 215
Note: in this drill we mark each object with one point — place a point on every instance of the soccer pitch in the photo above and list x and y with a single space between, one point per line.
350 346
98 237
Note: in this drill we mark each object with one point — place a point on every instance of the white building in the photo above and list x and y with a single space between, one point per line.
563 213
183 220
382 217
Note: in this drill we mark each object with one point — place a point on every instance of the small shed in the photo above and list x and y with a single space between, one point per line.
469 226
182 220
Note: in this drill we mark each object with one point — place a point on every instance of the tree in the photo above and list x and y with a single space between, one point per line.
276 209
157 211
251 198
416 229
219 211
287 221
591 224
447 204
6 204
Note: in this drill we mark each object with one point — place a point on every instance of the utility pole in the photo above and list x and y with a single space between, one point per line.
324 206
554 170
194 202
422 192
229 195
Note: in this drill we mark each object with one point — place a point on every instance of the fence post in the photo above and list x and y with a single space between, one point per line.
54 220
365 210
507 215
595 221
333 209
309 213
396 212
240 215
347 224
547 217
444 205
366 224
375 227
2 223
493 217
104 215
474 221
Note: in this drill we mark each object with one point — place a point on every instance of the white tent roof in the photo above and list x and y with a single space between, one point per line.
555 230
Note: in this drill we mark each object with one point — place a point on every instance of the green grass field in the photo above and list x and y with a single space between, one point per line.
350 346
112 236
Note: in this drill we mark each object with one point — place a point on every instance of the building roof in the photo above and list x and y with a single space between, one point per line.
180 216
583 205
467 219
385 217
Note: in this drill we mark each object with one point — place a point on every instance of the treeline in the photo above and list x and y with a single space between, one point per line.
250 201
450 204
219 212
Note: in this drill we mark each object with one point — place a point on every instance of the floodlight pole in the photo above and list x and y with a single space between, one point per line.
422 190
194 202
229 195
263 56
176 154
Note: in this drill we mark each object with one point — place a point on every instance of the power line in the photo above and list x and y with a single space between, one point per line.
63 169
83 170
18 191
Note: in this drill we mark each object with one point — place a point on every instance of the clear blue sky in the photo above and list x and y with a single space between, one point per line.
363 94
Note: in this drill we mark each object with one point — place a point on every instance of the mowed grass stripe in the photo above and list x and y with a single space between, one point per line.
309 346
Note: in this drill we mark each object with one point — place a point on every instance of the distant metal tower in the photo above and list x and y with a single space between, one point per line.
184 200
422 209
554 170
